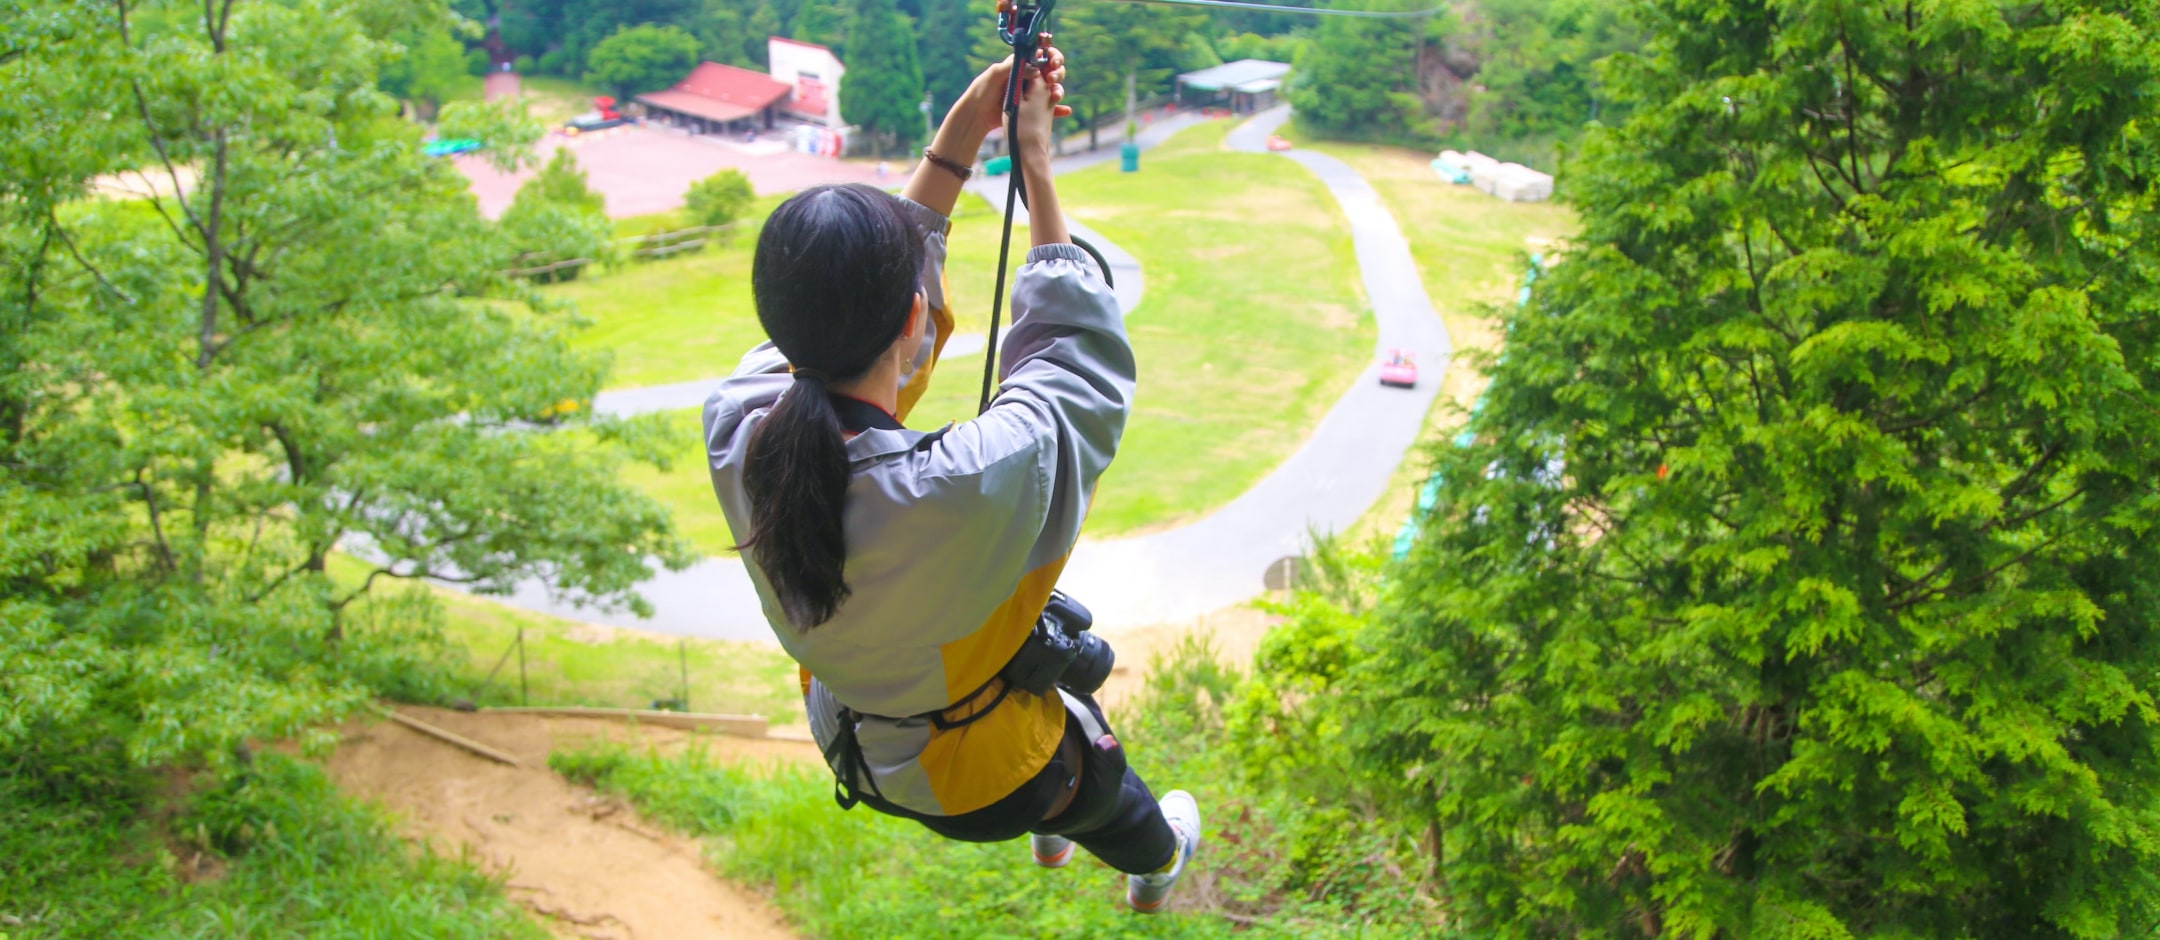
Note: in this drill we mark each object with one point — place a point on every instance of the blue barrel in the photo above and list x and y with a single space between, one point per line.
1129 157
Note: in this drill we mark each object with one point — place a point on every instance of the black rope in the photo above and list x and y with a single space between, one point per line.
1021 28
1012 199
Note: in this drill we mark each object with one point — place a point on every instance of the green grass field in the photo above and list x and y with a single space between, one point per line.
691 317
1253 325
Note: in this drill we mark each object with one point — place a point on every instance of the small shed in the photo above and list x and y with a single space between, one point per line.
1246 85
715 97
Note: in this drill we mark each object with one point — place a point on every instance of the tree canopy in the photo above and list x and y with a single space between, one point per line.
431 67
944 35
249 334
638 59
1108 44
883 89
1358 79
1801 578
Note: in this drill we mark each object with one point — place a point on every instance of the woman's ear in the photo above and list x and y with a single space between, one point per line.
917 317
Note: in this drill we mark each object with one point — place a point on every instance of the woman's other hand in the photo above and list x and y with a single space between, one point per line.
985 100
1037 108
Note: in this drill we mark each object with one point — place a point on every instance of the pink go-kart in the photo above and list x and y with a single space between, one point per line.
1400 369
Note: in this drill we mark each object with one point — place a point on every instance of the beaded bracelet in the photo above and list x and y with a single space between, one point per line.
950 166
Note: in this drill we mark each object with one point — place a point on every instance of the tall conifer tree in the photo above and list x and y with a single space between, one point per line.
1803 578
883 87
943 40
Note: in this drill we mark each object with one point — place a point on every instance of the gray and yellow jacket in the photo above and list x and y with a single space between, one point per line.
954 539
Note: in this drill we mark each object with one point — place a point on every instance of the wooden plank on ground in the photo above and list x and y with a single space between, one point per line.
449 737
744 726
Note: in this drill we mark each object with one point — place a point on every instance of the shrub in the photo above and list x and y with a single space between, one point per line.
718 199
524 65
477 61
556 217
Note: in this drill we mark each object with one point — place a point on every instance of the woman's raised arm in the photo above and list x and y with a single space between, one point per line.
980 108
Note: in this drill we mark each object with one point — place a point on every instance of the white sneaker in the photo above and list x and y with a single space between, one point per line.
1148 893
1050 851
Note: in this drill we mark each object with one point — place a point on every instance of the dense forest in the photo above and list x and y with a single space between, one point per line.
1512 76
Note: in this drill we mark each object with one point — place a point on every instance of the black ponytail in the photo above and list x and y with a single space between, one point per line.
834 276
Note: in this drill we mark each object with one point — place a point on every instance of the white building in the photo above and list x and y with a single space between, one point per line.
814 73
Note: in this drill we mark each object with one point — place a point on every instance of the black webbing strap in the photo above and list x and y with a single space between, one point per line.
851 770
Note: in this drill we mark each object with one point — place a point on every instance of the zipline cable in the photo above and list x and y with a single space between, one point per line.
1313 11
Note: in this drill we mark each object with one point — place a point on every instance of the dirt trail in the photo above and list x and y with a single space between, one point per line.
587 865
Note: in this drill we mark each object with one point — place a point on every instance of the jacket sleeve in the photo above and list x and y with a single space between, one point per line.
915 377
1060 410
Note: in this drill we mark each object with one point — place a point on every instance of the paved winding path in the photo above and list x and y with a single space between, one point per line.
1217 560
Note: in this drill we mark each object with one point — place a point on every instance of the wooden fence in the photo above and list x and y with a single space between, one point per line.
651 247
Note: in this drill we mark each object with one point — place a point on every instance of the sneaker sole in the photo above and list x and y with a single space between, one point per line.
1056 861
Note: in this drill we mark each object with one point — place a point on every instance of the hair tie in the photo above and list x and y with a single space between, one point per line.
814 375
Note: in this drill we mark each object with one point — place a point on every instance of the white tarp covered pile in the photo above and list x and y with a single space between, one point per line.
1517 183
1510 181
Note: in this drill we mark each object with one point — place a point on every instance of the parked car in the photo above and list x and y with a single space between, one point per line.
600 118
592 121
1400 369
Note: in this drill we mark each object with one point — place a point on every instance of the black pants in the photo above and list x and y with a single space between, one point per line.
1113 815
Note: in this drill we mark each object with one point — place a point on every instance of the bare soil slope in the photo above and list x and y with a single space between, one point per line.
586 864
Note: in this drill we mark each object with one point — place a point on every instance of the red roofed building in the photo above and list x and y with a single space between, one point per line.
718 97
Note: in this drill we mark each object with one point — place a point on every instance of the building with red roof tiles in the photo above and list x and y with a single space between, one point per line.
715 97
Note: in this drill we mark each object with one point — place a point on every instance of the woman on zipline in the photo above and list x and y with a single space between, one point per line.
906 571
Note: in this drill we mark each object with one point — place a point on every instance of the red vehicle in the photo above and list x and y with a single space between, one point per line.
1278 143
1400 369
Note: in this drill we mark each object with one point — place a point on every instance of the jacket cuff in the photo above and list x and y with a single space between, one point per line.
1066 251
926 217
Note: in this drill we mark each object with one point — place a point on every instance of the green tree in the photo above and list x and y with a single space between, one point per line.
1111 44
637 59
431 67
719 199
942 41
1536 73
1802 580
883 88
1357 80
723 35
208 391
827 24
764 24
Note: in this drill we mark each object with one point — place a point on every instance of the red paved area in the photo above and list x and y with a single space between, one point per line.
642 170
500 84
